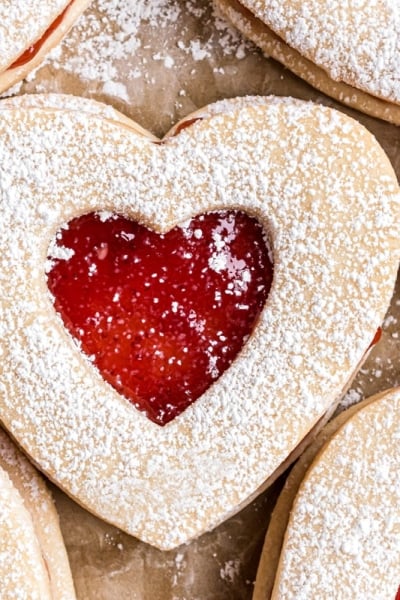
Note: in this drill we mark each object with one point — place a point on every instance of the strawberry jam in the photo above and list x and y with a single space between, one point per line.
163 316
31 52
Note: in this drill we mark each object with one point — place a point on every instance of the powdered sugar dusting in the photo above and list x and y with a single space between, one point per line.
230 570
57 252
327 213
39 504
22 23
113 32
344 532
357 43
23 573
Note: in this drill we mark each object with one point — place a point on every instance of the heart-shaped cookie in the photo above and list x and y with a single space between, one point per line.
328 200
30 28
33 560
340 510
348 52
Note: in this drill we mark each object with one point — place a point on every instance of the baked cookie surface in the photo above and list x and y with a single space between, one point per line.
28 30
33 560
355 43
332 223
349 52
340 510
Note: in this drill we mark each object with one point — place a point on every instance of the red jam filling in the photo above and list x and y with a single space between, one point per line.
34 49
185 124
161 316
398 594
376 338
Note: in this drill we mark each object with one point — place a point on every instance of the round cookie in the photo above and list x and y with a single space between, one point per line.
34 562
29 29
329 202
347 53
334 529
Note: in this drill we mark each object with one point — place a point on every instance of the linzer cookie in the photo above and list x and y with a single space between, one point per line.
256 249
33 560
340 510
29 29
348 52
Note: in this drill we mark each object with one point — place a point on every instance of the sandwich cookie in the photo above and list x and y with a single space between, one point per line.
347 52
335 531
33 559
323 206
30 29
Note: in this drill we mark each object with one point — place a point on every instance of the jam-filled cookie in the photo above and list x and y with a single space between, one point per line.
33 560
340 510
175 311
349 52
30 28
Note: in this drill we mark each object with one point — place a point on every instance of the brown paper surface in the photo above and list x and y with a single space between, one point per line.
157 61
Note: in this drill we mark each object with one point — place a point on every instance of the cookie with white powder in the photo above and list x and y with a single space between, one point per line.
28 30
335 531
33 559
348 52
328 201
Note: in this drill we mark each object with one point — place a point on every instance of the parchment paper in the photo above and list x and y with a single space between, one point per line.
157 61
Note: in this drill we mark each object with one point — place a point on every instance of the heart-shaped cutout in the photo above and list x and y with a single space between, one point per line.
336 524
331 217
163 316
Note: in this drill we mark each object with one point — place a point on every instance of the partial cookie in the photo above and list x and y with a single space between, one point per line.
29 29
73 103
33 559
329 203
349 53
335 530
